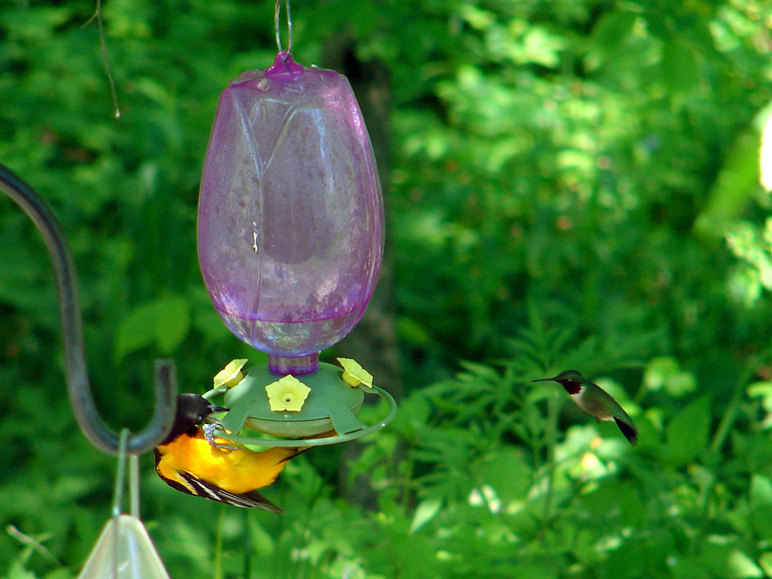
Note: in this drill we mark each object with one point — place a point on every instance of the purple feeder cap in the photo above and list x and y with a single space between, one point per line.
290 215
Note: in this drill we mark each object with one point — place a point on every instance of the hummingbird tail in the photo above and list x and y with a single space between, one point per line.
630 432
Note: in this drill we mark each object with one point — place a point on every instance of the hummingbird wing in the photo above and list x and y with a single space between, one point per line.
600 403
622 419
629 430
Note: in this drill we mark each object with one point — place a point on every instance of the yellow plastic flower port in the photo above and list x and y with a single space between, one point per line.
354 374
231 374
289 393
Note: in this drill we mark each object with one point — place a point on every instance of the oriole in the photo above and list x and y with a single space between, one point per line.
187 462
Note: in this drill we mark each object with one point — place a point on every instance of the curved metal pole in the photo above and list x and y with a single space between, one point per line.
78 387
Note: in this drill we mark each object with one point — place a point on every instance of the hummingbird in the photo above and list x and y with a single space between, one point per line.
594 400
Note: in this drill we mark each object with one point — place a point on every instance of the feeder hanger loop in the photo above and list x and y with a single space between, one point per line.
81 399
277 26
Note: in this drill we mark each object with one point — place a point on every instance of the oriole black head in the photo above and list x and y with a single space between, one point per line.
192 409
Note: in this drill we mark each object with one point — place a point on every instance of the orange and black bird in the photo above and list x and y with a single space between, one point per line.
186 461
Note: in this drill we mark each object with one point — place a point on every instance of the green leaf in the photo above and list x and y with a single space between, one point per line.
611 32
761 390
733 188
665 372
687 432
173 323
727 561
412 332
766 562
681 383
619 499
17 571
425 512
507 473
137 330
164 322
658 372
761 505
262 540
680 73
414 411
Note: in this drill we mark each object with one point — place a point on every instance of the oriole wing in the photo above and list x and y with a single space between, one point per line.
192 485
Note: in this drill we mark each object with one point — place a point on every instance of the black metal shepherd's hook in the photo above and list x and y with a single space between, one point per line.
78 387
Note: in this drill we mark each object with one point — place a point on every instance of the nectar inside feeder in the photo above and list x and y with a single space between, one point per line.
290 236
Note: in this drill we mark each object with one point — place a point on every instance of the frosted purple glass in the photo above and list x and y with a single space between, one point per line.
290 216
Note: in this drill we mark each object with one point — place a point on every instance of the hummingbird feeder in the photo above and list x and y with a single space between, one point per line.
290 240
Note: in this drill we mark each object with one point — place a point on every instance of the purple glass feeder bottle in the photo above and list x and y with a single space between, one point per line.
290 217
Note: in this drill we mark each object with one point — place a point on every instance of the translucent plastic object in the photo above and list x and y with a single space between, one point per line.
290 217
124 551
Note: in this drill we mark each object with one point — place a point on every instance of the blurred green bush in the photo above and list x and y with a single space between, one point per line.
564 182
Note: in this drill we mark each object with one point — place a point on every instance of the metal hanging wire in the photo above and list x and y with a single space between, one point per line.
277 26
78 388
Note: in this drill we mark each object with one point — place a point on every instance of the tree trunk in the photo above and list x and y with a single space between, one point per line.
373 342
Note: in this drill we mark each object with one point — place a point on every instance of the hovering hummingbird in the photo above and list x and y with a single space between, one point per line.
594 400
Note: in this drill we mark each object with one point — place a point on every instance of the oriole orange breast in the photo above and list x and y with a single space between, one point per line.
187 462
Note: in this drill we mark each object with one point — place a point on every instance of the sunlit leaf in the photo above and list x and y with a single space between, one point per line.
728 561
761 505
733 187
425 512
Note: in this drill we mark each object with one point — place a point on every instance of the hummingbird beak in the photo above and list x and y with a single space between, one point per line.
544 379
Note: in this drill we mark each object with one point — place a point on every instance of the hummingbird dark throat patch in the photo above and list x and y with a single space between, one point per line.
571 386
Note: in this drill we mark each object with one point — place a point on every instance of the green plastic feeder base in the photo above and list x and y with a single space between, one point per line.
331 405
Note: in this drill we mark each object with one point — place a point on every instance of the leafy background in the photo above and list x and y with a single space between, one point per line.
571 184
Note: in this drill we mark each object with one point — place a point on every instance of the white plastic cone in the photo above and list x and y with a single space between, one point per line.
132 551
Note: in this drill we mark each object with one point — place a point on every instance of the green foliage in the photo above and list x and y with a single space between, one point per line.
163 322
754 271
573 185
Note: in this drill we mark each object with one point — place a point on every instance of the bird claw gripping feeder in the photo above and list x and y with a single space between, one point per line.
290 240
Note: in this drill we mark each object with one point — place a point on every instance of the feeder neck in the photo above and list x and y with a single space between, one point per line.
284 67
299 366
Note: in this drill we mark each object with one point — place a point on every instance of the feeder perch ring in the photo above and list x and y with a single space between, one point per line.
376 390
